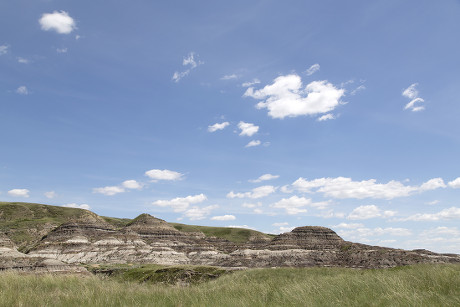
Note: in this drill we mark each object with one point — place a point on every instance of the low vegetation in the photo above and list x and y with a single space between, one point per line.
420 285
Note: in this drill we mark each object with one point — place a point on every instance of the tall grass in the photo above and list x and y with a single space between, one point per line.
421 285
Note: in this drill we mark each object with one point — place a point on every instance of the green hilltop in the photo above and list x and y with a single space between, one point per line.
26 223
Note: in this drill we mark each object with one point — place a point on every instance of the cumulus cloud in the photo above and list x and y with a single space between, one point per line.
157 174
255 193
229 77
287 98
218 126
293 205
180 204
247 129
109 190
60 22
74 205
4 49
342 187
253 143
433 184
251 205
250 83
369 212
445 214
50 194
265 177
19 193
314 68
197 213
61 50
132 184
348 225
227 217
412 93
190 62
364 234
455 183
22 90
326 117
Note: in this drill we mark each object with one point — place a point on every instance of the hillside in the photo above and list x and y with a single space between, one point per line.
50 238
26 223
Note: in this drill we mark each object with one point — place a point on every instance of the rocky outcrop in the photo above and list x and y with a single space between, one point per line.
150 240
11 259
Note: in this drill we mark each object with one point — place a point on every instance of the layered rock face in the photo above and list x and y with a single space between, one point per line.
150 240
11 259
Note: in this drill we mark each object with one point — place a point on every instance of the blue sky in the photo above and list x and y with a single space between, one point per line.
262 114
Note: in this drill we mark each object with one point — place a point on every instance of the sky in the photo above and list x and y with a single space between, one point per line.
260 114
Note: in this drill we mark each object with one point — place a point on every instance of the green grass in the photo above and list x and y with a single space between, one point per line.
153 273
421 285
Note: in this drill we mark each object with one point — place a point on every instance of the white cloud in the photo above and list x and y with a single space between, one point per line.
369 212
23 60
226 217
348 225
197 213
280 224
445 214
433 184
293 205
363 234
258 192
229 77
314 68
157 174
455 183
109 190
180 204
19 193
250 205
4 49
358 89
326 117
247 129
412 93
432 203
241 226
132 184
61 50
258 211
253 143
342 187
74 205
286 98
50 194
60 22
265 177
22 90
189 61
330 214
250 83
218 126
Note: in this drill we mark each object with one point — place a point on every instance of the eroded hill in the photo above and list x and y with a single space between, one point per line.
74 236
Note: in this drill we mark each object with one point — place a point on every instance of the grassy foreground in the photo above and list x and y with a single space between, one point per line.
421 285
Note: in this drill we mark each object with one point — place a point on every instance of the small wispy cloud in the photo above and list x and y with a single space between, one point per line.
23 60
314 68
412 93
250 83
4 49
253 143
189 61
229 77
218 126
22 90
326 117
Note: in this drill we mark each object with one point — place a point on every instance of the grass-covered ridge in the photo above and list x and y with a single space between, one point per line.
26 223
420 285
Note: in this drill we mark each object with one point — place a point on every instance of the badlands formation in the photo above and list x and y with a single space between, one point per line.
86 238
